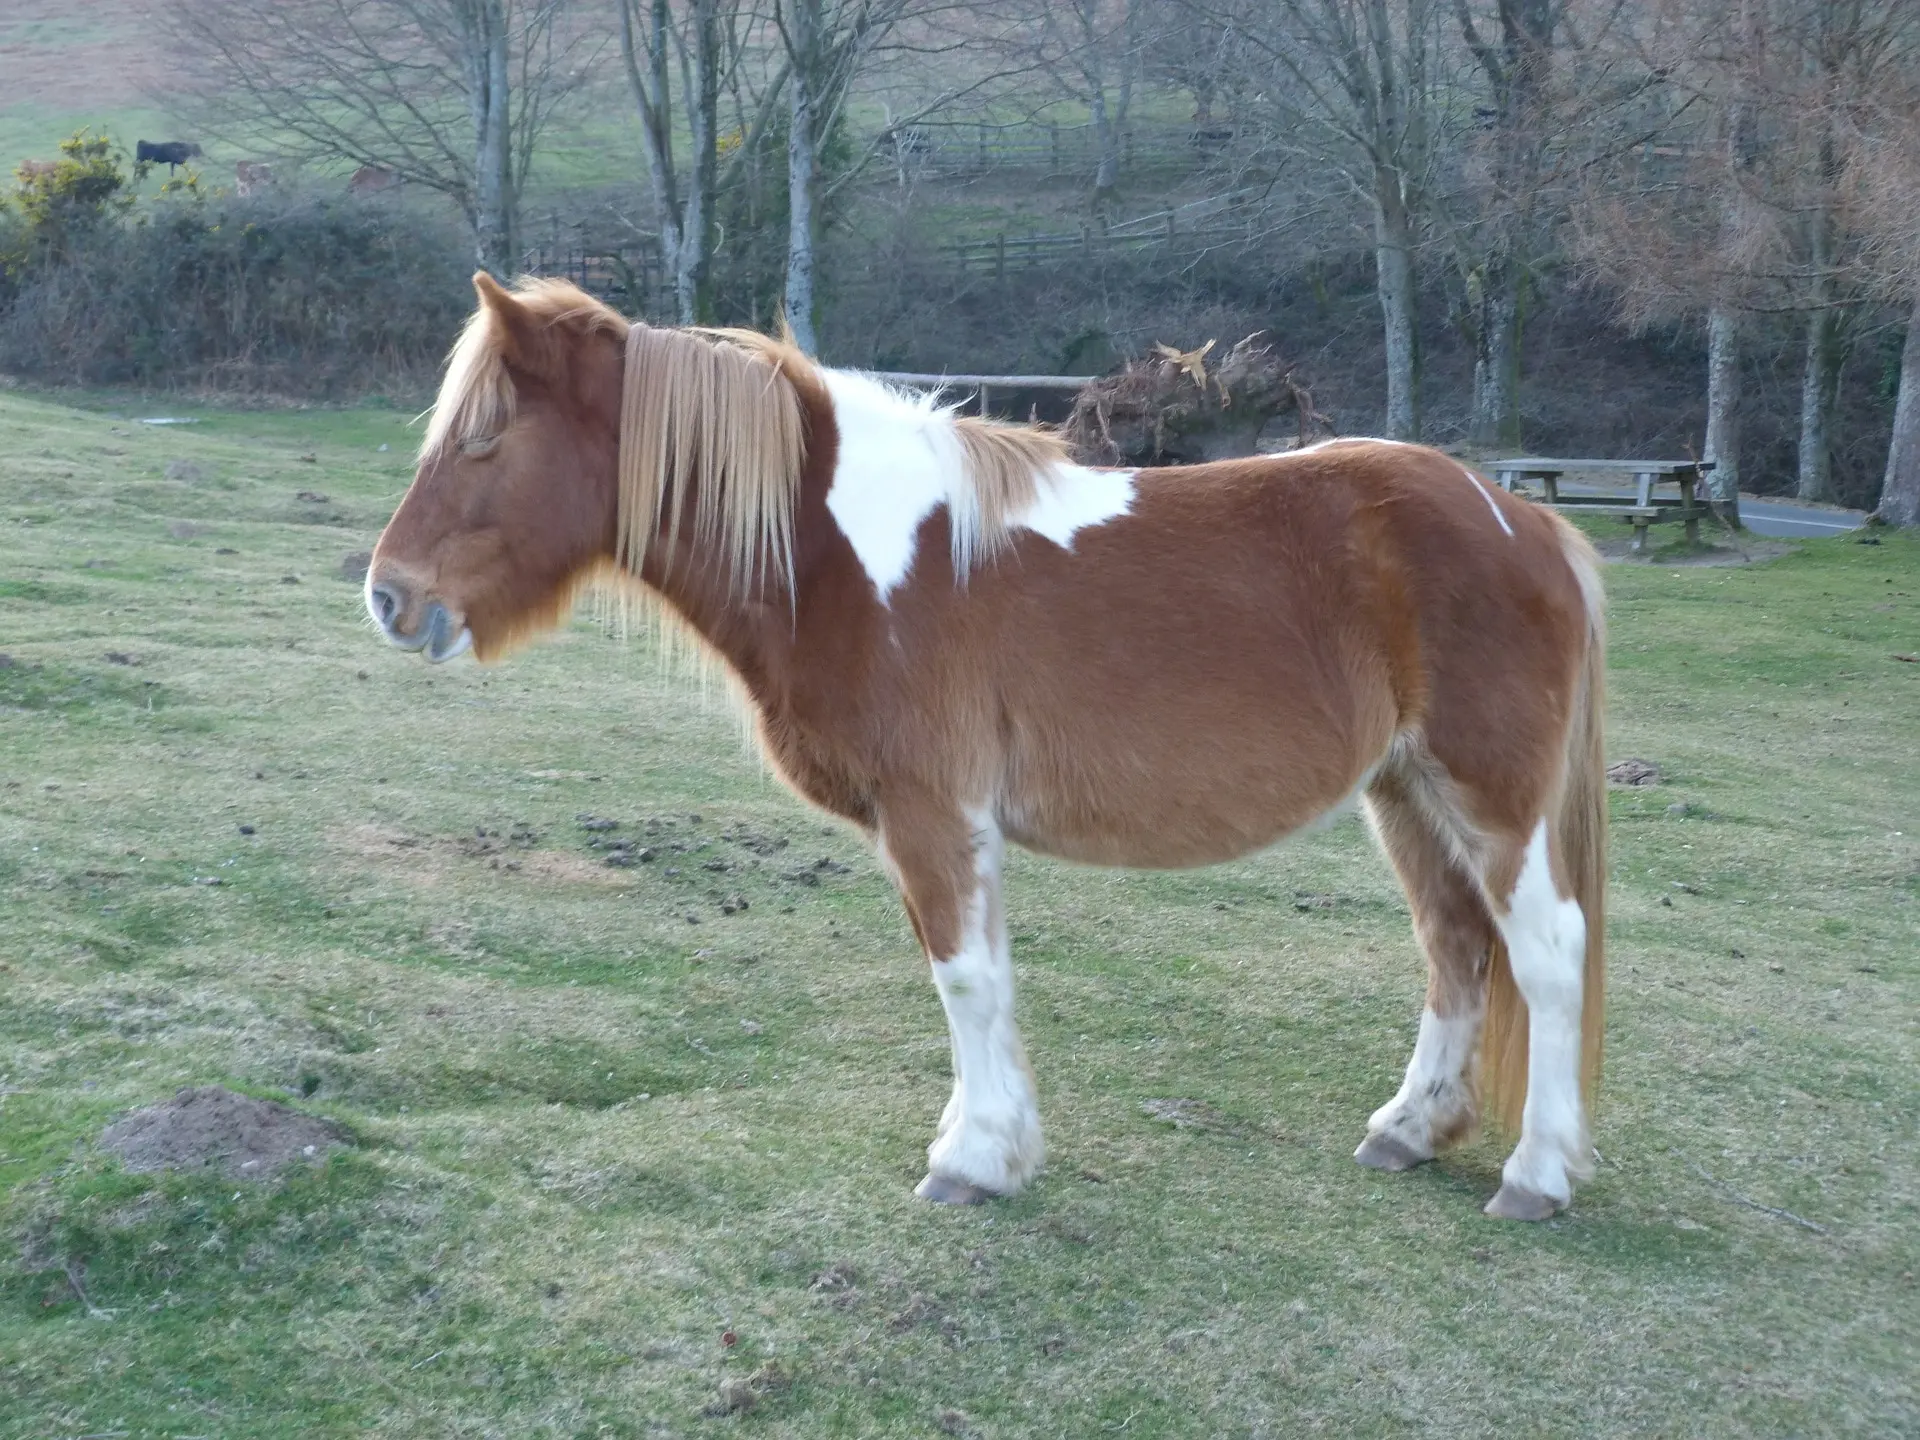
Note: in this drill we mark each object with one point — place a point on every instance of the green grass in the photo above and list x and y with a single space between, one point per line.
592 1136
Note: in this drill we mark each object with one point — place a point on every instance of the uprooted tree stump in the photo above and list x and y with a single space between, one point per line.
1169 409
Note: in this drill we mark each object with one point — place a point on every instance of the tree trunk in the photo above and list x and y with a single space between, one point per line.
1819 389
1723 413
693 283
1106 174
488 99
1393 262
1900 491
1496 355
801 167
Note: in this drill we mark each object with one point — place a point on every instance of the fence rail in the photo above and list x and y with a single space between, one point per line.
966 146
984 384
1198 223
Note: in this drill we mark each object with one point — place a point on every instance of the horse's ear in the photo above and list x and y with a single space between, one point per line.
512 323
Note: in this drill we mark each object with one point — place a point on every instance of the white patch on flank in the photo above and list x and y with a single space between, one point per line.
990 1133
899 460
1488 498
1546 946
1436 1092
1073 498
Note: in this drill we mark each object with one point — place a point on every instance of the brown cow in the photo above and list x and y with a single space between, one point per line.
371 180
250 177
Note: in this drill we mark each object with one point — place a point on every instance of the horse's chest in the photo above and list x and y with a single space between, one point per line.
817 771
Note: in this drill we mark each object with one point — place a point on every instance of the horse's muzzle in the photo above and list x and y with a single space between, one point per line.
438 636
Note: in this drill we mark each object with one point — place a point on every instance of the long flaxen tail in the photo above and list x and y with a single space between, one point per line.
1579 824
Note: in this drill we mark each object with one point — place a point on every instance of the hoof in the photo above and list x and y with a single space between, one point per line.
1383 1152
1514 1203
943 1190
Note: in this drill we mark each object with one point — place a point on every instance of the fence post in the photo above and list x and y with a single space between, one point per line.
983 402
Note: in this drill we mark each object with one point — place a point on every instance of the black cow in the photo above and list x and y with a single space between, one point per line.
165 152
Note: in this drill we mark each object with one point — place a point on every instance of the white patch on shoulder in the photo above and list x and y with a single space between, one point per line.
1073 498
899 461
1484 495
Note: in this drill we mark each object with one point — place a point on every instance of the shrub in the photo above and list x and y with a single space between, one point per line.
290 294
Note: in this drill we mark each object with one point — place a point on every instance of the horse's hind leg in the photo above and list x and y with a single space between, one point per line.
1435 1104
1546 938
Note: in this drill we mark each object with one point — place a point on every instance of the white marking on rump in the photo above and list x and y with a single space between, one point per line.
1349 440
1435 1095
990 1133
1488 498
899 460
1546 938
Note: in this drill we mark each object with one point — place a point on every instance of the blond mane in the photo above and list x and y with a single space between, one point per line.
1004 467
713 414
716 414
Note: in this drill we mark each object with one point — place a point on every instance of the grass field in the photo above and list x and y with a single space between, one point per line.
604 1117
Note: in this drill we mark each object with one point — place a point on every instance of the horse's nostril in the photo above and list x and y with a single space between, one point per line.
386 604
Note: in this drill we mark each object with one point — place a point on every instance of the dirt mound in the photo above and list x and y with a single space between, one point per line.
1171 409
209 1126
1633 772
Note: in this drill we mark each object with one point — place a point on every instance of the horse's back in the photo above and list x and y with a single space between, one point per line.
1233 656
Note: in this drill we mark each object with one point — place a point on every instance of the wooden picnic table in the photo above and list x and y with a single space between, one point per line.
1641 509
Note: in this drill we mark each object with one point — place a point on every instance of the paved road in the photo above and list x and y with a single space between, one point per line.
1763 517
1769 517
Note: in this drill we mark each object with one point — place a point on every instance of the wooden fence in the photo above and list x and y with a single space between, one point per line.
633 276
984 385
954 147
1202 223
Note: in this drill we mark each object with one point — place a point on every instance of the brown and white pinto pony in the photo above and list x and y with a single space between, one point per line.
953 636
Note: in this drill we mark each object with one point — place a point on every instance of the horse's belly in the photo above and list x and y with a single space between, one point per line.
1173 818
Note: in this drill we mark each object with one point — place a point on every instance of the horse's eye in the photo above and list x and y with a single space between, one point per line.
480 446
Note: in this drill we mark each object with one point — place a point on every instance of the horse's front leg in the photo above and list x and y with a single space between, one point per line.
947 864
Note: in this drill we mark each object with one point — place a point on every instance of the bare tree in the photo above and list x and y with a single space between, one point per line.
1090 52
825 44
449 95
1515 58
1349 84
1881 160
695 50
1746 212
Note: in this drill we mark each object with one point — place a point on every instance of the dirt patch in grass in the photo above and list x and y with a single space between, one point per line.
429 859
210 1125
1709 554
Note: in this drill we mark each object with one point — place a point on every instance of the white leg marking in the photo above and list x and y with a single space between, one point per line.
1436 1094
990 1133
1488 497
1546 945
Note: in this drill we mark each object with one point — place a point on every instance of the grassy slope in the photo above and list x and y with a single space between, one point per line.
522 1245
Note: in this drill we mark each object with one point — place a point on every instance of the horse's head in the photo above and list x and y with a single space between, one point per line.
514 501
